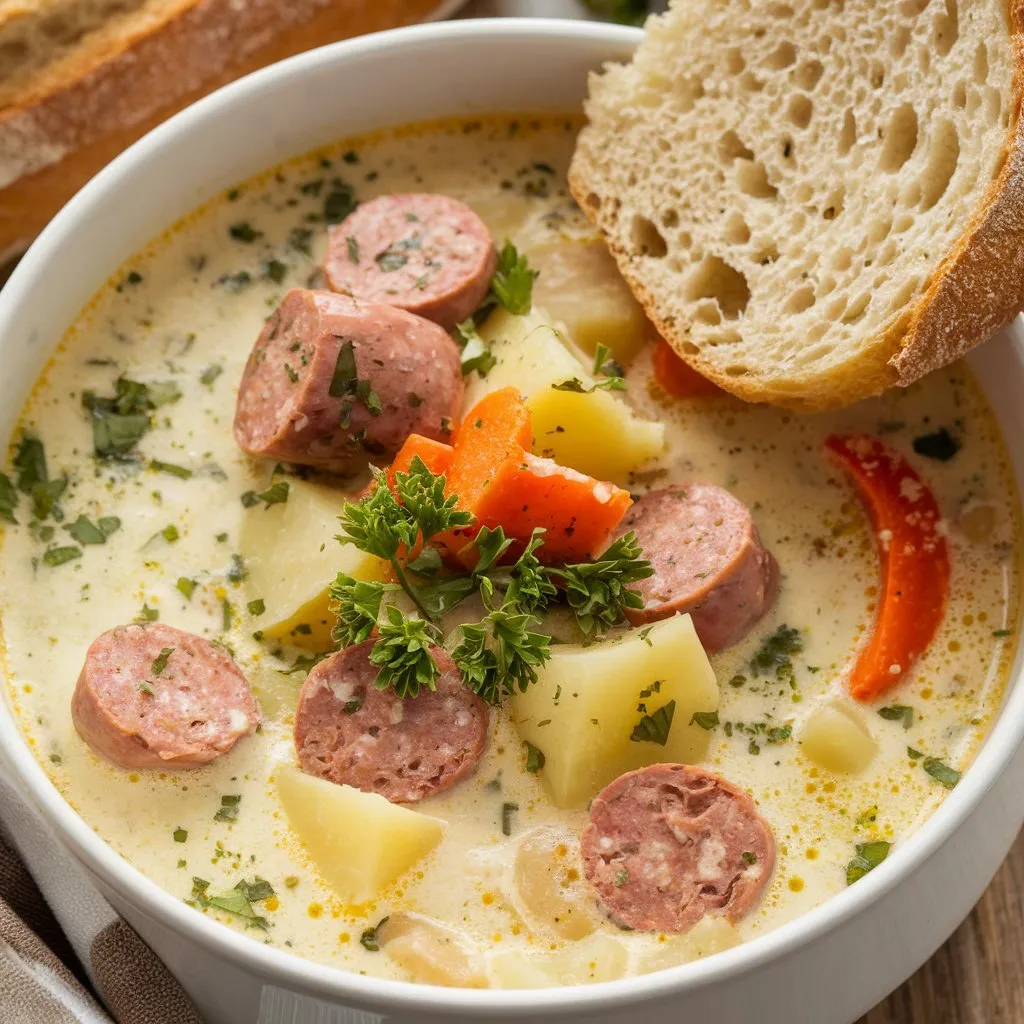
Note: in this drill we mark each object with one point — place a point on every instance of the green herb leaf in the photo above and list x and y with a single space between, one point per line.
229 806
402 654
30 462
512 285
160 662
534 758
210 374
119 421
421 493
898 713
340 202
180 835
86 532
941 445
576 386
8 499
186 586
655 728
370 939
869 856
941 772
507 810
776 651
346 383
476 354
244 232
257 607
60 555
705 719
147 614
357 605
181 472
236 571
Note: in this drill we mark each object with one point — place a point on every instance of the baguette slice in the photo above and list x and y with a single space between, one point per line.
815 200
82 79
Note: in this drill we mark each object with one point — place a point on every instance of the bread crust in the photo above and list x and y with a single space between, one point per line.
52 144
976 289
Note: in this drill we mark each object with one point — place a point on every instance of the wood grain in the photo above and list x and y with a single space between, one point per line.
976 977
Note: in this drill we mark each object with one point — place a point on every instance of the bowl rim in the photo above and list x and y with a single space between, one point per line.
277 966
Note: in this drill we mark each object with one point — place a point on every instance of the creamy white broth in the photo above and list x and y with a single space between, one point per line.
184 305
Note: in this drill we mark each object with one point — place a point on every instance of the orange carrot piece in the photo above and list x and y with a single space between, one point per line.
678 378
435 455
914 562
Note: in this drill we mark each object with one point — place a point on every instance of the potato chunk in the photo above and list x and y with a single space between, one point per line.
597 433
597 958
584 712
431 952
359 841
549 884
580 286
292 557
711 935
836 738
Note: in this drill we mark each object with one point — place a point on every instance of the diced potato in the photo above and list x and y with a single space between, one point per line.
597 433
550 885
580 286
836 738
504 213
600 957
359 841
583 710
431 952
708 936
292 557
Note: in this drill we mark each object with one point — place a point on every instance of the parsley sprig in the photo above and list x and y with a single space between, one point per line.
512 284
498 655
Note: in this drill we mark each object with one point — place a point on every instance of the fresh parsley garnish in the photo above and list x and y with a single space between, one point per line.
402 654
346 383
534 758
340 201
160 662
941 772
476 355
655 728
941 445
228 810
869 856
120 420
370 939
33 478
705 719
85 531
275 494
512 284
244 232
898 713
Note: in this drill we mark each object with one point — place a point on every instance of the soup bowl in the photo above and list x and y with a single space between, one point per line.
826 967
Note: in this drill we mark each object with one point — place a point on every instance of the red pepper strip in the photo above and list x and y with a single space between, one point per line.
676 377
914 561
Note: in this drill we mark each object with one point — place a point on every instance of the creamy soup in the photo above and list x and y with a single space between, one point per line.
175 530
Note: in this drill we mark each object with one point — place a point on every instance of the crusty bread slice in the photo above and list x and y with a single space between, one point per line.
82 79
815 199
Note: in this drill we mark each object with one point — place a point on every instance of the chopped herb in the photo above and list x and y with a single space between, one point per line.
340 202
1002 632
210 374
577 387
147 614
941 772
186 586
621 877
236 571
914 755
145 688
120 420
941 445
275 270
390 260
227 613
235 282
476 355
749 857
507 810
300 239
353 248
8 499
108 525
180 835
228 810
705 719
292 374
350 707
898 713
776 651
512 285
370 939
134 277
534 758
86 532
170 533
257 607
160 662
869 856
655 728
58 556
244 232
345 381
181 472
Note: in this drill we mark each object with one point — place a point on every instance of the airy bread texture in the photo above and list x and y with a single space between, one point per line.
82 79
819 199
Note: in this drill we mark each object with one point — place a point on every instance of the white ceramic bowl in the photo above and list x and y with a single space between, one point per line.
829 966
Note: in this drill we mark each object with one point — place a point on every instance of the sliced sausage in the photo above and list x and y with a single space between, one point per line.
708 560
351 733
669 843
332 382
152 696
429 254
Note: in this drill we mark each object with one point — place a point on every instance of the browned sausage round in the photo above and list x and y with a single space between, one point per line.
332 382
151 696
708 560
429 254
349 732
670 843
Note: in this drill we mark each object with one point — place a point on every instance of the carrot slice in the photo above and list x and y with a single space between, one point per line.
492 472
677 377
914 561
436 455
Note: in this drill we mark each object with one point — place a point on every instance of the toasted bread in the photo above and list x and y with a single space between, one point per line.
815 200
82 79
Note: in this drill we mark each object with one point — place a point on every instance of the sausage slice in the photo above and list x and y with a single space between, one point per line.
349 732
708 560
429 254
669 843
332 382
152 696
